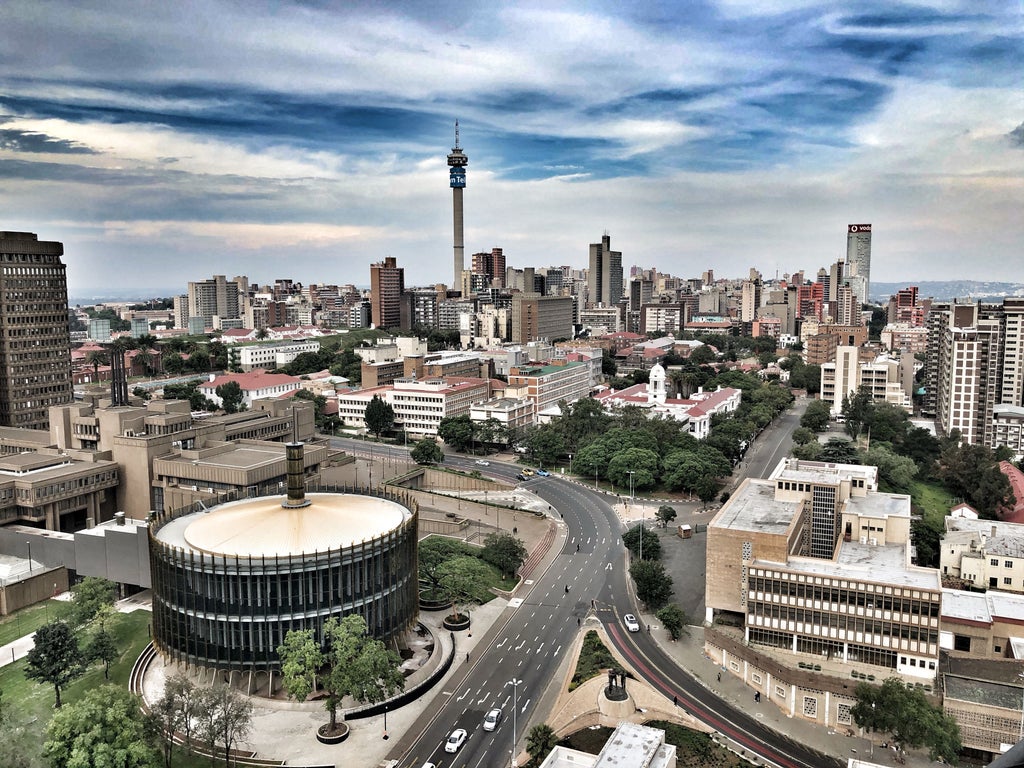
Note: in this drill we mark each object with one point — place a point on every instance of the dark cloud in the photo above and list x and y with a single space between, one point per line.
31 141
909 17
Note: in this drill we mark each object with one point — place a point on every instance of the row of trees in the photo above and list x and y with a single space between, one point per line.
905 713
455 572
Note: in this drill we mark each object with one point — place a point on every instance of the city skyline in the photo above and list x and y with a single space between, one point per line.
309 141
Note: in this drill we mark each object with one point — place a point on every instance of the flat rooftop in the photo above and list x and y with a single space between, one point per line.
879 564
878 504
753 508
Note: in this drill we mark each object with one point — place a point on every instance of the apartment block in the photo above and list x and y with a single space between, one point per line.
983 554
885 378
419 404
541 317
547 385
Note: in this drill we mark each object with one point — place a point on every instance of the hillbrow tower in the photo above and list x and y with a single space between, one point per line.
457 162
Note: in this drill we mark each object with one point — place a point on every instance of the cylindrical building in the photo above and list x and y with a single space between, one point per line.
229 583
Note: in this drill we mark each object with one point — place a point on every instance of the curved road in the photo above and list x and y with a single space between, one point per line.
531 642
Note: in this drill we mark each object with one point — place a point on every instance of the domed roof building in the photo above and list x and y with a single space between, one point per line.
230 582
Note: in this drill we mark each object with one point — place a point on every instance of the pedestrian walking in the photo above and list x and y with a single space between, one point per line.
719 677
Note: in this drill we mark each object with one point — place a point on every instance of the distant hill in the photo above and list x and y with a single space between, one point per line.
947 290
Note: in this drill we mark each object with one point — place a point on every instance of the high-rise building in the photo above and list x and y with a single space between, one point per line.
35 339
541 317
217 297
491 264
387 284
604 278
858 256
457 162
974 363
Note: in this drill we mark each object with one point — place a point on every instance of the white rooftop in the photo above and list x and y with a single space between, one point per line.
885 564
753 508
263 528
984 607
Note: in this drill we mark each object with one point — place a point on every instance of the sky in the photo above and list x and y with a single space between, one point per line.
167 142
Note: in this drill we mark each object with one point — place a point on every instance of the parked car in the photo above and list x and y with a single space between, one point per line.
631 623
482 463
543 473
455 740
491 719
528 472
521 477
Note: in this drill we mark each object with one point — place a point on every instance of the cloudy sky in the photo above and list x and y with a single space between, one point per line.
166 142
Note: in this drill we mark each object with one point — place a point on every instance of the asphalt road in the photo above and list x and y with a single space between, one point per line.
530 645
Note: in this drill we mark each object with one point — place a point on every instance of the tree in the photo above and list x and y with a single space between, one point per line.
816 416
55 657
231 397
176 710
665 514
435 551
674 619
857 410
971 472
379 416
89 597
840 451
301 658
545 444
427 451
173 363
539 742
642 462
897 472
102 729
803 435
460 580
904 712
101 646
96 358
652 544
456 431
702 355
653 584
225 716
358 666
199 361
505 552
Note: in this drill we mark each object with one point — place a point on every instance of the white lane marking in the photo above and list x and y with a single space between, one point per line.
519 647
504 640
539 647
463 695
525 706
557 650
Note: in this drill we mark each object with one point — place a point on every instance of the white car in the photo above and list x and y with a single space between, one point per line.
428 765
491 719
455 741
482 463
631 623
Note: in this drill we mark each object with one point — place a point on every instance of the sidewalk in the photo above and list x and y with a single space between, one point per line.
688 653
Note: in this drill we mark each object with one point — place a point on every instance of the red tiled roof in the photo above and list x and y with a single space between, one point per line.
1016 478
252 381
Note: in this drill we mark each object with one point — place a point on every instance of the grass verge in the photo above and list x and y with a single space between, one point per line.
594 659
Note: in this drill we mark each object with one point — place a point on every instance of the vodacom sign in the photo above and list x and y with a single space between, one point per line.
854 228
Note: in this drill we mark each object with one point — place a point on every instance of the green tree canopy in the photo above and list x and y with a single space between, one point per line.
539 742
666 514
896 472
55 658
653 584
816 416
101 730
545 445
359 666
505 552
642 462
905 713
89 597
435 551
461 580
674 620
231 397
379 416
652 544
456 431
427 451
301 659
803 435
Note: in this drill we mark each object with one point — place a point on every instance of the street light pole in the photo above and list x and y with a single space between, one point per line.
515 707
570 465
29 545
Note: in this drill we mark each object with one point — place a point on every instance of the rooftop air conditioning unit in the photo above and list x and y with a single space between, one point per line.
874 542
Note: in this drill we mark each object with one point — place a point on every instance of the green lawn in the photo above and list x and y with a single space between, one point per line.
33 702
28 620
931 500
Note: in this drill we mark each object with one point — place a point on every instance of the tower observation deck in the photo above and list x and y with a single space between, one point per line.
457 162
